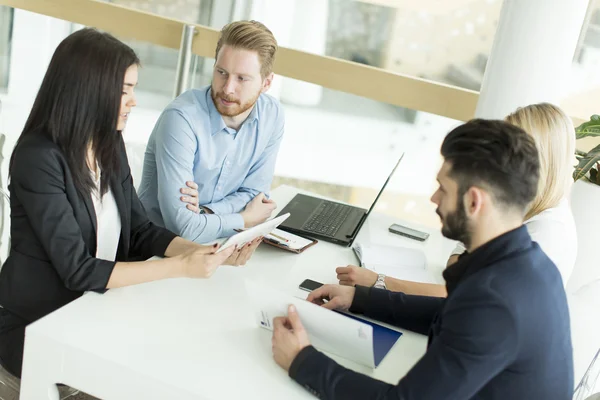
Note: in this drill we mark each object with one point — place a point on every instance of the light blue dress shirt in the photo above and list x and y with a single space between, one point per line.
191 142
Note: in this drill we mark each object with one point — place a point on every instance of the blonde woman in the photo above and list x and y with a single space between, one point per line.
549 219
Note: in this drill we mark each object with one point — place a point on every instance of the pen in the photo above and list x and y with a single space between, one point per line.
279 237
275 242
360 263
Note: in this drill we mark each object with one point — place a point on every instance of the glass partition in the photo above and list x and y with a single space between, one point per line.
157 77
346 146
583 89
336 144
445 42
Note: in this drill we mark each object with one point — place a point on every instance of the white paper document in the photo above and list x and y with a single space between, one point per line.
245 236
329 331
395 261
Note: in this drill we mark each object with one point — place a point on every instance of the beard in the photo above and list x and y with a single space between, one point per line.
234 109
455 225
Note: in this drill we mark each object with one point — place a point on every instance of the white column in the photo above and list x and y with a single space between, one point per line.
278 16
309 33
531 56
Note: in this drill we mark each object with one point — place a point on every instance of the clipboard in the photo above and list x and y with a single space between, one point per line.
288 241
247 235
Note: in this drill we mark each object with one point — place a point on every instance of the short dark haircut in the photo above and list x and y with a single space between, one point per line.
79 101
497 156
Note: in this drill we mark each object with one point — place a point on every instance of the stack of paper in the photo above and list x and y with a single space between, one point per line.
395 261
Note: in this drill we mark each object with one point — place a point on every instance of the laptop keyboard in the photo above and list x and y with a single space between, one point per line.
327 218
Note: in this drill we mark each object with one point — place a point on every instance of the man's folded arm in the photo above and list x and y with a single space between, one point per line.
176 146
259 178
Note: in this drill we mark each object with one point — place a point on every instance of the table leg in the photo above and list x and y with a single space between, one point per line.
41 369
39 390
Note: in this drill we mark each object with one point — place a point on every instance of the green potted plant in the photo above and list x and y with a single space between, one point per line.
589 162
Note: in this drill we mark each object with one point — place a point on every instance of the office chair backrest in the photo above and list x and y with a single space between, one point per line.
586 389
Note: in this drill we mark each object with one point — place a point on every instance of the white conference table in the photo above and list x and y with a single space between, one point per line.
197 339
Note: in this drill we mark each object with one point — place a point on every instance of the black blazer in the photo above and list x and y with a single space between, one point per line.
53 232
502 333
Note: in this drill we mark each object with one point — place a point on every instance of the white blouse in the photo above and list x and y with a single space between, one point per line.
108 223
554 230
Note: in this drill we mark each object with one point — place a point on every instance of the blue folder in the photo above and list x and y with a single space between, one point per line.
383 338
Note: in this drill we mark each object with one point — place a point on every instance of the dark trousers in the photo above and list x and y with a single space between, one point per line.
12 340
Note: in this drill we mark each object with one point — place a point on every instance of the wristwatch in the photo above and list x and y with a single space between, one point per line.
380 282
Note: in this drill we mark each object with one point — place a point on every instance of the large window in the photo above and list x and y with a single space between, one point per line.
447 41
157 77
583 91
336 144
443 41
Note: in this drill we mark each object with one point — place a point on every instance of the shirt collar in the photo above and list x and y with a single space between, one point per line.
217 123
486 255
254 113
216 120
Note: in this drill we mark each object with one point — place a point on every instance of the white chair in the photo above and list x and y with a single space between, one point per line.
586 389
9 384
135 155
583 290
583 307
586 267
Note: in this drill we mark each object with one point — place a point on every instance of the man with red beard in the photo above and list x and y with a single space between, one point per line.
221 141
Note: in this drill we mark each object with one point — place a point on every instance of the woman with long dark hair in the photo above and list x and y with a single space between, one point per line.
76 221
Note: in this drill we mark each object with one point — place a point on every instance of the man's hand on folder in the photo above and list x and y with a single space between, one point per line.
289 338
339 297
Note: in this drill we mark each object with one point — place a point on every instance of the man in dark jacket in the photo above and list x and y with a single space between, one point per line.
503 331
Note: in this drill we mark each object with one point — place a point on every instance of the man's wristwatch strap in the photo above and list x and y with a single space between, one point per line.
380 282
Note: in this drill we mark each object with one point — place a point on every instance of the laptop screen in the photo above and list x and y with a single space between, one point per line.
384 185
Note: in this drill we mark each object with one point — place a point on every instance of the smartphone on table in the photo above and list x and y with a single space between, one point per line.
408 232
309 285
